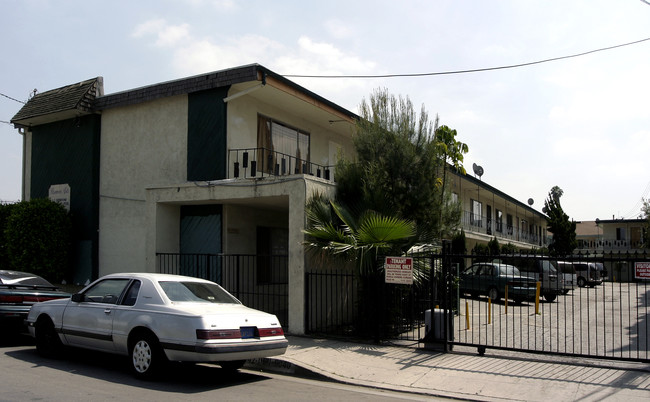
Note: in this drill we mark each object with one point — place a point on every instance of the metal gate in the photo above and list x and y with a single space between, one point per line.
604 317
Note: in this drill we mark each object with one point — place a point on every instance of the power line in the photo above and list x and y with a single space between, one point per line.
472 70
634 211
13 99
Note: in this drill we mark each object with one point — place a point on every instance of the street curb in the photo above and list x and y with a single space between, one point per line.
280 366
284 367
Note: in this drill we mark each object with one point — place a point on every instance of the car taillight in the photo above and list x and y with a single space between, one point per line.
270 332
11 299
218 334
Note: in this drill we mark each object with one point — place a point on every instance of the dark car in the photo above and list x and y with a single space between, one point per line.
491 278
543 270
19 291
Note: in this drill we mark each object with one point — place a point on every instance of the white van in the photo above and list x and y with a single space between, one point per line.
588 273
569 275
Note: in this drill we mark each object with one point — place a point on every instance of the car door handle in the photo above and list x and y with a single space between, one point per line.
107 311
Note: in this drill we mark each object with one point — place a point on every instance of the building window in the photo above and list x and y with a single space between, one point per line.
454 198
272 255
509 224
476 213
499 221
282 149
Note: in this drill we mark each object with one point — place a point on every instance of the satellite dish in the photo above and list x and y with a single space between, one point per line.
531 201
478 170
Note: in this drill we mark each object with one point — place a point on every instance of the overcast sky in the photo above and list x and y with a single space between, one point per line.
581 123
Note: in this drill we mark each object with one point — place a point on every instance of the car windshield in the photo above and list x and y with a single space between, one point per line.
197 292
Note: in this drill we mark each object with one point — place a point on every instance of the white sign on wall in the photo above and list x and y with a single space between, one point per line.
60 193
399 270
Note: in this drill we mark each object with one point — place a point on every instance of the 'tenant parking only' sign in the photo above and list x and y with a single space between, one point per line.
642 270
399 270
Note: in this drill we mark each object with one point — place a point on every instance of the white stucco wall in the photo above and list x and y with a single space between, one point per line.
141 145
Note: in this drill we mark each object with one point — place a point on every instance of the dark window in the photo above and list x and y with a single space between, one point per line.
499 222
132 294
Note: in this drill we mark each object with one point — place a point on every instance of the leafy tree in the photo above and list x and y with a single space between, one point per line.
493 246
451 152
509 248
564 230
646 230
38 238
400 155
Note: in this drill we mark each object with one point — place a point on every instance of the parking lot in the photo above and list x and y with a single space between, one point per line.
609 320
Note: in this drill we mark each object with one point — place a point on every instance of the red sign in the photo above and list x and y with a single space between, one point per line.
399 270
642 270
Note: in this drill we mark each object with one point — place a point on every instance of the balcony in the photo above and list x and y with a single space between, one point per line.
609 244
262 162
472 223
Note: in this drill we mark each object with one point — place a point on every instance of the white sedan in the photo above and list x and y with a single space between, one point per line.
155 318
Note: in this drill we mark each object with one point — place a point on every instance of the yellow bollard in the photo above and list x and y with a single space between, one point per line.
506 299
489 311
539 285
467 316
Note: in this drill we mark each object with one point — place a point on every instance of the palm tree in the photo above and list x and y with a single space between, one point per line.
334 232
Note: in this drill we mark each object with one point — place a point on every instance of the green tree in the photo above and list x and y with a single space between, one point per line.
401 155
563 229
451 152
493 246
645 208
37 237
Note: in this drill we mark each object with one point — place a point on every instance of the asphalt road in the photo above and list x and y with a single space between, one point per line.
90 376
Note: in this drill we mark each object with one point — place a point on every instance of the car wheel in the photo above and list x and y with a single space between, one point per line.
232 365
581 282
146 355
493 294
48 343
550 297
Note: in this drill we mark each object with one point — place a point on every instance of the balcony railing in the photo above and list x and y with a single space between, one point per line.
261 162
471 222
609 244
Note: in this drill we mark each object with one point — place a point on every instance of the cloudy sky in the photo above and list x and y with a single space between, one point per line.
581 123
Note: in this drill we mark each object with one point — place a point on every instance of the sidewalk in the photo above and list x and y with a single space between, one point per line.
463 374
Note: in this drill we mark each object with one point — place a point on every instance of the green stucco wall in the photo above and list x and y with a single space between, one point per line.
67 152
206 135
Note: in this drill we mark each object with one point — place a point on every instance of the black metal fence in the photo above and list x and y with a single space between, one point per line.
605 318
341 303
258 281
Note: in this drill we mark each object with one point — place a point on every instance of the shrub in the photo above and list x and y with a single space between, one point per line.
37 238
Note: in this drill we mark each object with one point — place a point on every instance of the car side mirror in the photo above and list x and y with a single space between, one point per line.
77 297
